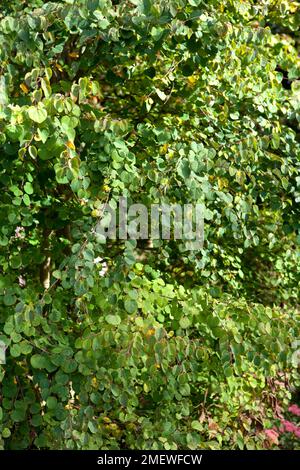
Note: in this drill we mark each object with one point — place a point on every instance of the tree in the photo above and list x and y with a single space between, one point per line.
167 101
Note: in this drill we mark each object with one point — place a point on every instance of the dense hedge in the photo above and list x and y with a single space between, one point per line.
121 345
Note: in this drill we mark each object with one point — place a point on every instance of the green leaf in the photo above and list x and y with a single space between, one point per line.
113 319
6 433
57 274
197 425
9 299
38 361
130 305
28 188
37 113
32 151
51 403
184 322
26 200
15 350
16 261
184 168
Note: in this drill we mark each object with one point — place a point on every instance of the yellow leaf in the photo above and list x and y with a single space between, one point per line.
113 426
163 149
240 177
74 55
70 145
94 382
222 183
150 332
293 7
95 213
24 88
192 80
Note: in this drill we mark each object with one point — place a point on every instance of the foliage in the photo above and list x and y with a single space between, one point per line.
164 368
168 101
287 434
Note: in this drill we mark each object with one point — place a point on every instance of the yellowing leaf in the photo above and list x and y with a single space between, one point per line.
293 7
240 177
24 88
94 382
164 148
192 80
95 213
150 332
222 183
70 145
